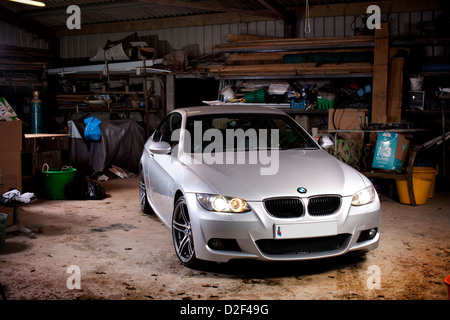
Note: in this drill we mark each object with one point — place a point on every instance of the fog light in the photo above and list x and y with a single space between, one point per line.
368 234
223 244
215 244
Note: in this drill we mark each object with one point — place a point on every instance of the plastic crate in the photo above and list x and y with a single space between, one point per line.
325 104
298 105
257 96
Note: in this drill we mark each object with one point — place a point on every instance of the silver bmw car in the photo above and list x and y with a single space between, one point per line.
248 182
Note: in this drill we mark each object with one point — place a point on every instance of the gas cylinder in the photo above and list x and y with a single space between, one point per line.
36 113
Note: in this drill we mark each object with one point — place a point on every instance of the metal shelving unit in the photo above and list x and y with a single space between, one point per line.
144 70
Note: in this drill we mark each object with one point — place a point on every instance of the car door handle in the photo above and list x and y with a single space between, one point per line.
151 155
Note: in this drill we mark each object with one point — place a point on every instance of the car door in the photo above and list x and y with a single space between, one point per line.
162 183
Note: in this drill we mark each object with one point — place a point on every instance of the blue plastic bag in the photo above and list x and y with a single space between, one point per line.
92 132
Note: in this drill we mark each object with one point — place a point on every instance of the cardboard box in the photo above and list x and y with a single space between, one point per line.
10 136
11 170
390 151
348 119
11 155
345 119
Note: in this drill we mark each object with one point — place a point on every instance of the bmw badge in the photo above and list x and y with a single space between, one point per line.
301 190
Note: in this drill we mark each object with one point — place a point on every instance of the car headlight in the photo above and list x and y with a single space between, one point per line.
364 196
218 203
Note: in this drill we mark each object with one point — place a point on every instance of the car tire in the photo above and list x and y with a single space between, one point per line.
145 206
183 239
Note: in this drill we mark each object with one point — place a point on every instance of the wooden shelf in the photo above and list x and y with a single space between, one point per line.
266 59
294 69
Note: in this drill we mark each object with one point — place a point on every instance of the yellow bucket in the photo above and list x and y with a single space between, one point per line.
424 180
428 173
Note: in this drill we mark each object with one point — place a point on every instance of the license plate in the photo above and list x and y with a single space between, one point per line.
305 230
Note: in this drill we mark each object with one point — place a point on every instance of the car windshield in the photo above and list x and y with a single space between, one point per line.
244 132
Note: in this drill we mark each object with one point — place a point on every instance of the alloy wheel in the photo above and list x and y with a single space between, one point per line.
182 233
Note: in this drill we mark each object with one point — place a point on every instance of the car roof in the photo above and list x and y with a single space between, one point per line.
224 109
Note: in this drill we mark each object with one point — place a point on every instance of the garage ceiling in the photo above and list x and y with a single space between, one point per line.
106 16
54 15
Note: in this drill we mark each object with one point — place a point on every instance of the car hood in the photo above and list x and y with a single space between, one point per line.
315 170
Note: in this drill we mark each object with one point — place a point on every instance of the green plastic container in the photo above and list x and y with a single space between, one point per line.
55 180
324 103
256 96
3 220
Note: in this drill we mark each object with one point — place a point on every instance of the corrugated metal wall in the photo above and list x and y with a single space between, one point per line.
197 41
13 36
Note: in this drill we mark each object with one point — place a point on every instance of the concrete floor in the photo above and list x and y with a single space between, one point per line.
124 254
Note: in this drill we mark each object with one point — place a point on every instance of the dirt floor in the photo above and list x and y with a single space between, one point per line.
121 253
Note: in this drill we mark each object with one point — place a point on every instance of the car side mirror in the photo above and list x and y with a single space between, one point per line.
160 147
326 142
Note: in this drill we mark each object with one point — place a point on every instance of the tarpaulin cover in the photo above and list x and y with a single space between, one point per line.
121 145
329 57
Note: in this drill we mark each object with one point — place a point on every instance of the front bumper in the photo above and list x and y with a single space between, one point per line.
253 235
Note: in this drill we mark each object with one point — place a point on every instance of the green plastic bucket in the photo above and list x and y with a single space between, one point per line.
3 220
55 180
256 96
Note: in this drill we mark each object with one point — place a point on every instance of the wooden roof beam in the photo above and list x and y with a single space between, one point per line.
276 8
283 13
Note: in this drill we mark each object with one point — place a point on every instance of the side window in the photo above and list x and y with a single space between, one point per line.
158 132
175 124
167 127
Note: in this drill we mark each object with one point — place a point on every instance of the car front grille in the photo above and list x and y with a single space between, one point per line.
323 205
302 246
285 208
293 207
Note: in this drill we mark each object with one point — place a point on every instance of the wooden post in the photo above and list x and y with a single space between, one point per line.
395 90
380 74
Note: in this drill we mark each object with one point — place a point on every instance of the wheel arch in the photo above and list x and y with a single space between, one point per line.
178 195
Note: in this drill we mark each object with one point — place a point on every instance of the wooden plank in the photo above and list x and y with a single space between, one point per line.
252 58
278 56
45 135
296 44
380 74
294 69
71 97
233 38
300 41
395 91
